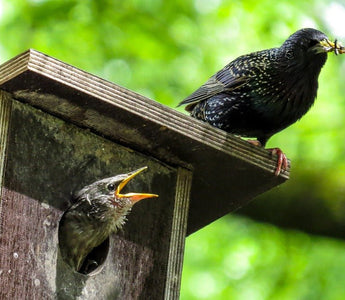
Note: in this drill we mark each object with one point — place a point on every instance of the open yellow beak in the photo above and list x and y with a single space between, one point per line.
134 197
335 46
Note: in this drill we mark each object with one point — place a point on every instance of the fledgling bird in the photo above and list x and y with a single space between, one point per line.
261 93
99 209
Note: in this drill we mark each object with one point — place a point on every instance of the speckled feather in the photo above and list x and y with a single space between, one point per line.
261 93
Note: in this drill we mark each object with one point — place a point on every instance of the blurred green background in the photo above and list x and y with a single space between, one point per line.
165 50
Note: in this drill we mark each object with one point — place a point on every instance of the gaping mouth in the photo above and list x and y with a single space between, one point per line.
134 197
335 46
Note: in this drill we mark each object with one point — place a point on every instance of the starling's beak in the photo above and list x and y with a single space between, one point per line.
134 197
328 46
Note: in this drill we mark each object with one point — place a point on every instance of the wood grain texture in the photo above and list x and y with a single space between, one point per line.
221 163
27 260
178 234
5 115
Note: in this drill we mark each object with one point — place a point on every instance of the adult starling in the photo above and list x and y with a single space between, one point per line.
98 210
261 93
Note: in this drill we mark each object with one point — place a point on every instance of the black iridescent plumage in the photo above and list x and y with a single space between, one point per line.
259 94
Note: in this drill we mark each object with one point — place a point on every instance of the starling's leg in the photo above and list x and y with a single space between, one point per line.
282 160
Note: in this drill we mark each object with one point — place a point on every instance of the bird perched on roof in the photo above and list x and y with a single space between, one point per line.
261 93
98 210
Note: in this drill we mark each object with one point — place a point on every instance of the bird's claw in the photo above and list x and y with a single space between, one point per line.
282 163
254 143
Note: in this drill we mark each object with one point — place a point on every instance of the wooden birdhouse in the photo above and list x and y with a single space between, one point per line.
62 128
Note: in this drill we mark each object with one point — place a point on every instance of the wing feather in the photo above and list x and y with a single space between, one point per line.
222 81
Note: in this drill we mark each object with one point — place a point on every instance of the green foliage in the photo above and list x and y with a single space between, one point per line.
235 258
165 50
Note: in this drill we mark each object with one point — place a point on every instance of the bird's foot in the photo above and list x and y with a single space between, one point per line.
282 163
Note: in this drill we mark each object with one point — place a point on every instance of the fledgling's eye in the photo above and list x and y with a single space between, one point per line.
111 187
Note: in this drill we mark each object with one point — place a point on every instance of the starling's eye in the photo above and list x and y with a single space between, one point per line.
111 187
313 43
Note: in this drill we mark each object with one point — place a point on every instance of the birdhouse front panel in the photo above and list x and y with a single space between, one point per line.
47 161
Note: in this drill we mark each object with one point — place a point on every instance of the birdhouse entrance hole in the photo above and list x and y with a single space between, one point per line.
94 261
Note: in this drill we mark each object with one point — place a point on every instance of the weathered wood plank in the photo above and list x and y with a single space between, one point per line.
5 114
178 234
